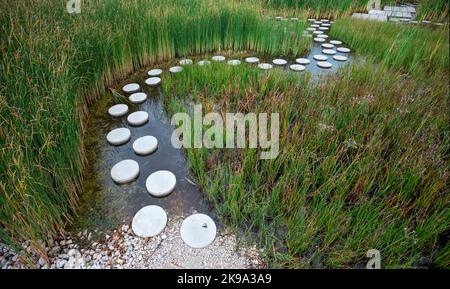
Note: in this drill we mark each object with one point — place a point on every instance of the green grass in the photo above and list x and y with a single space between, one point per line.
363 160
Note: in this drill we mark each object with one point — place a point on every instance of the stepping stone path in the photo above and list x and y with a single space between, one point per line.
145 145
118 110
125 171
161 183
198 231
119 136
149 221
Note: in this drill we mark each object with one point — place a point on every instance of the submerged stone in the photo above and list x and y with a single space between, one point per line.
145 145
149 221
118 136
118 110
198 231
125 171
161 183
138 118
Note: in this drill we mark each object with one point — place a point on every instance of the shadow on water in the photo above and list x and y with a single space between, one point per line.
105 204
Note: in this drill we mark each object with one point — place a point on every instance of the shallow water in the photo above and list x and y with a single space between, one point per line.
105 203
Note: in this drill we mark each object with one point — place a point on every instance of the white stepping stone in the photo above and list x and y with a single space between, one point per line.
198 231
186 62
324 20
234 62
204 62
154 72
336 42
311 29
311 20
130 88
118 110
326 25
303 61
323 28
343 49
149 221
329 51
138 97
297 67
218 58
327 45
324 64
317 32
252 60
318 22
153 81
138 118
279 61
340 58
320 57
125 171
161 183
320 40
314 26
324 36
118 136
145 145
265 66
175 69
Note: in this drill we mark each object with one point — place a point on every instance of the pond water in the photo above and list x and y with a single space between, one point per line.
105 204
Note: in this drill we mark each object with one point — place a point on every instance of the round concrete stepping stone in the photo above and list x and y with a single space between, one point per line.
279 61
323 28
336 42
118 110
343 49
252 60
218 58
125 171
317 32
320 40
149 221
324 36
297 67
138 97
327 45
153 81
311 29
318 22
138 118
154 72
198 231
145 145
234 62
311 20
324 64
329 51
186 62
340 58
130 88
175 69
265 66
320 57
204 62
326 25
118 136
161 183
324 20
303 61
314 26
